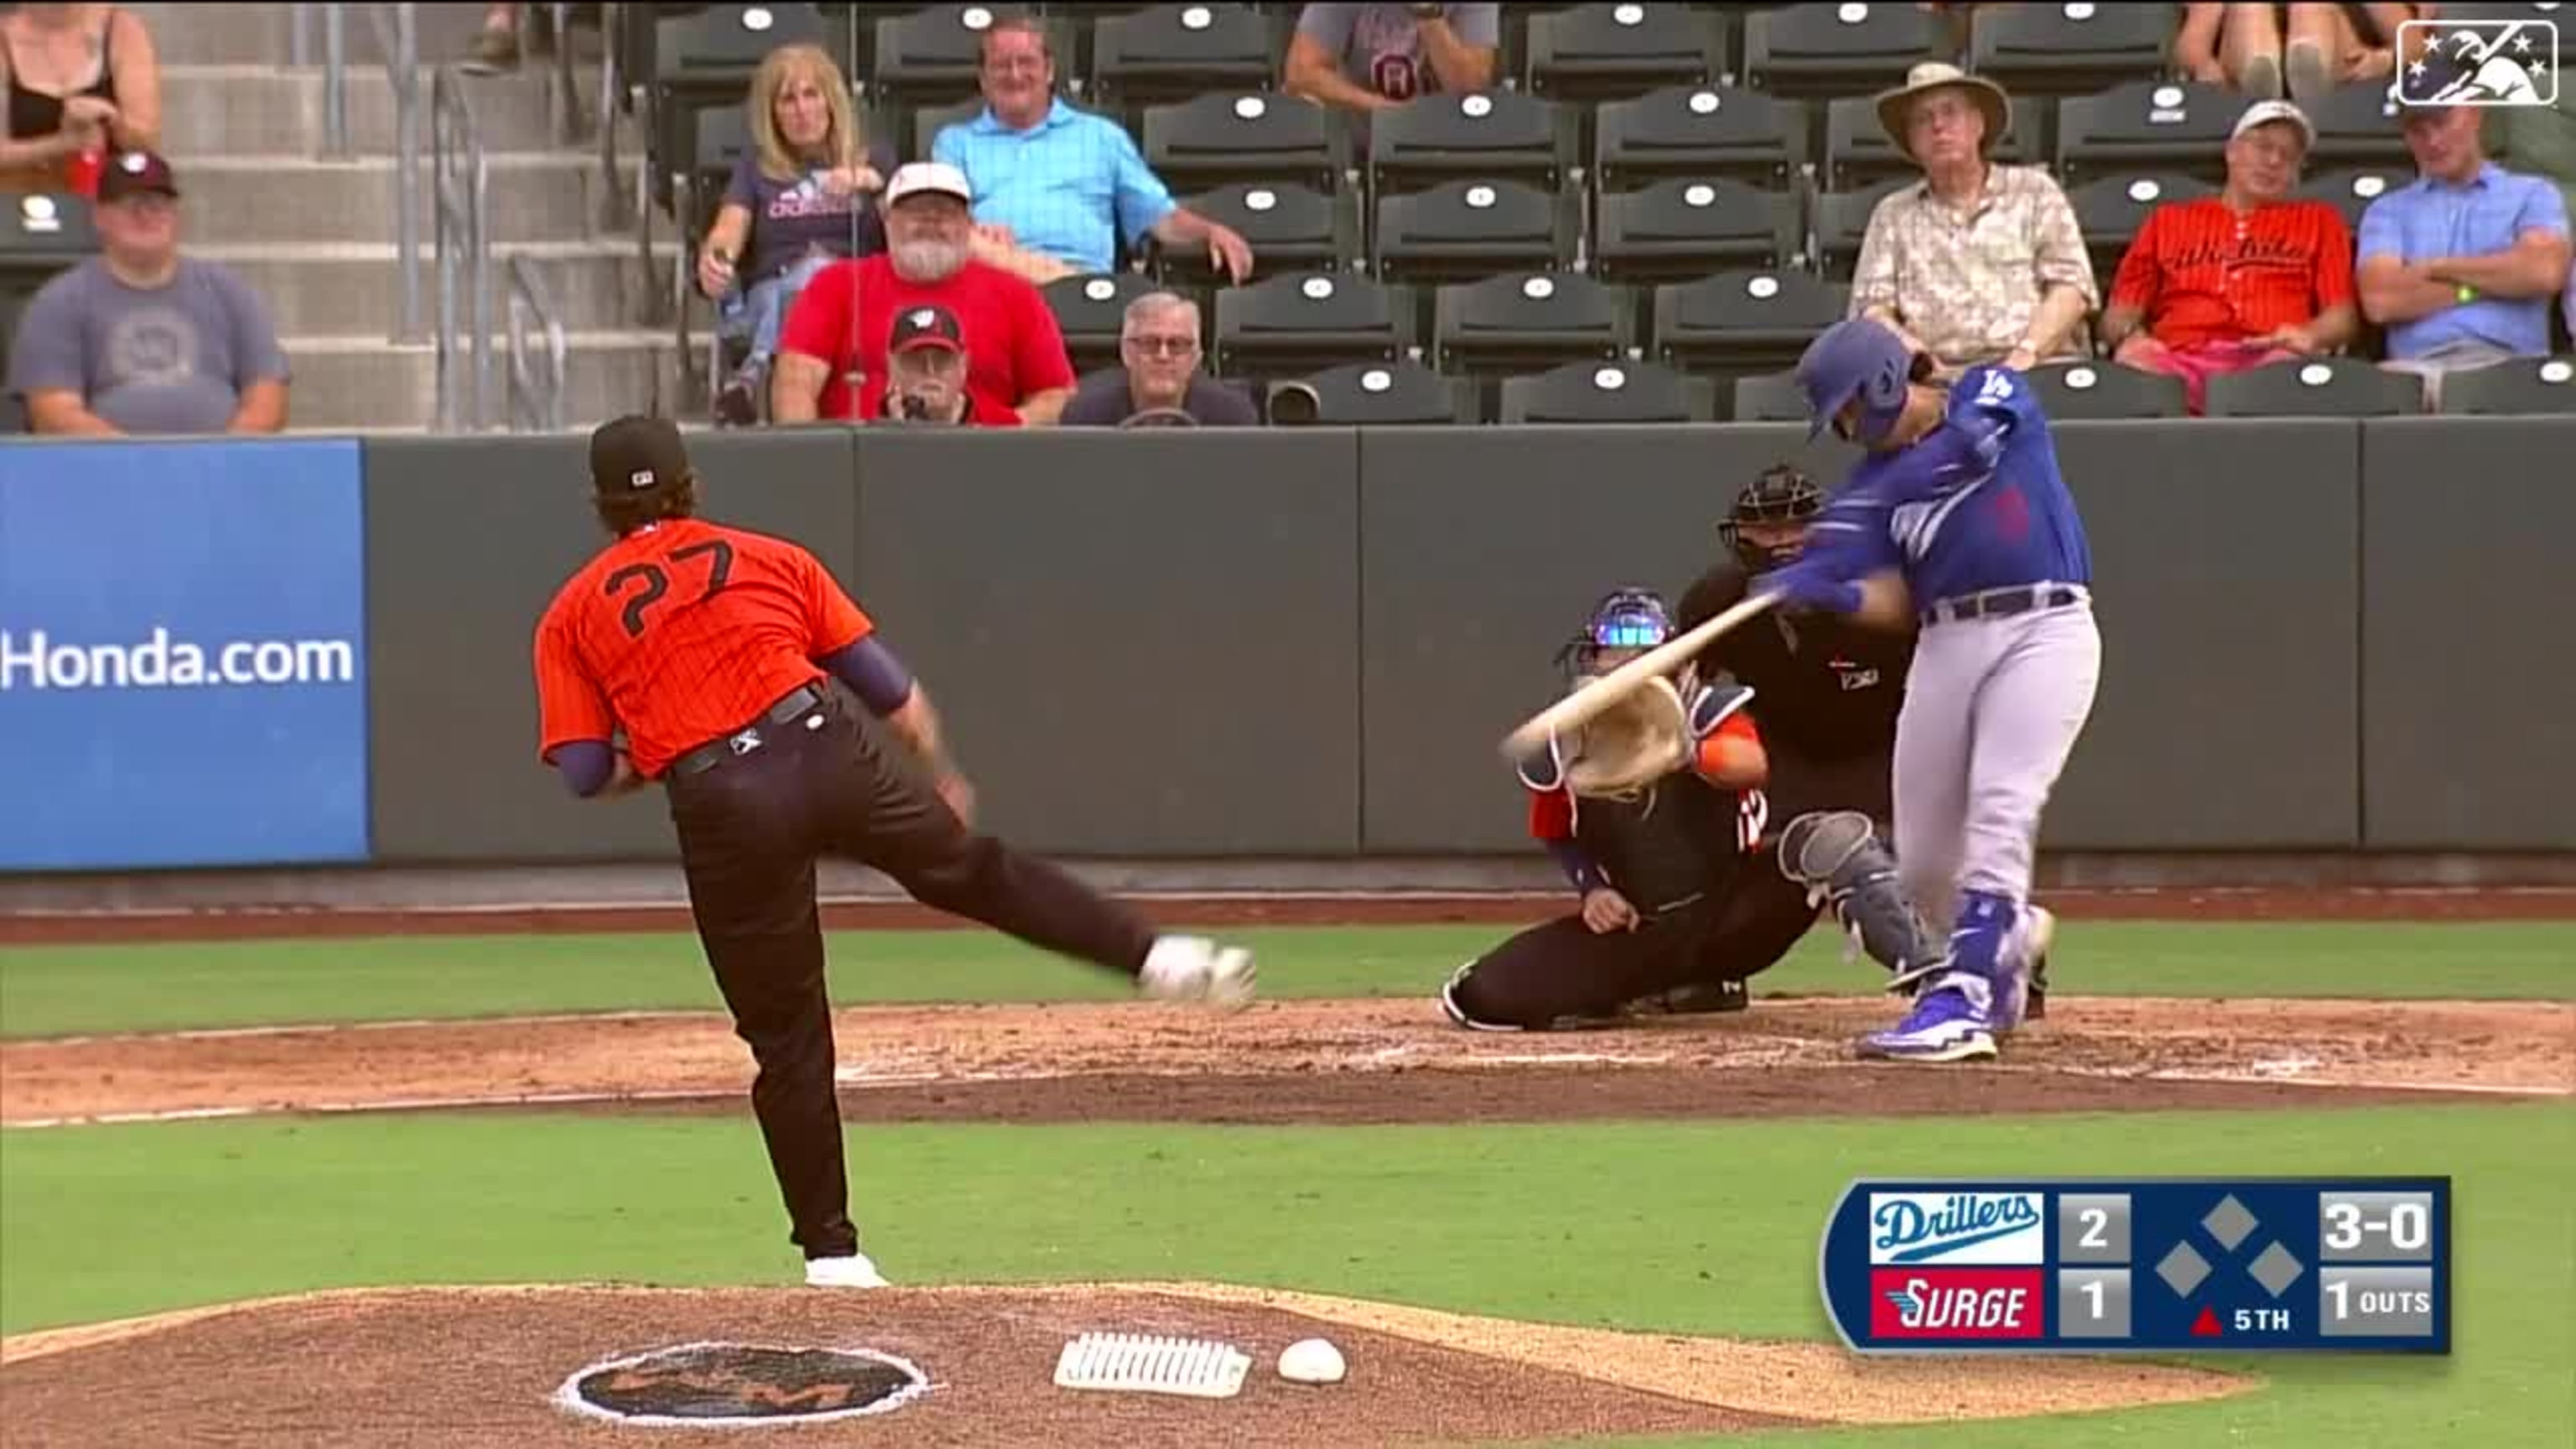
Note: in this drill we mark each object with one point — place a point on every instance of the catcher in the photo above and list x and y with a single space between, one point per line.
1651 811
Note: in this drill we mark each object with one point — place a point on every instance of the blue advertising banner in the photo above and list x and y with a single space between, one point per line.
182 654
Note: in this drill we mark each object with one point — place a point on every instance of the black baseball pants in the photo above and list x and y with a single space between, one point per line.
1562 971
751 830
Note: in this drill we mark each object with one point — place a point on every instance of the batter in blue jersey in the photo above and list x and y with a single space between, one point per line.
1959 523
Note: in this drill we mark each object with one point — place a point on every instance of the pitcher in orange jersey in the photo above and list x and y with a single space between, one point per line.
713 651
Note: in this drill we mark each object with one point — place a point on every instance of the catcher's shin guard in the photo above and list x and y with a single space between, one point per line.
1837 856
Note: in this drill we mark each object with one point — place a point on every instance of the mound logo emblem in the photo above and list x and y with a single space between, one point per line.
1955 1227
736 1383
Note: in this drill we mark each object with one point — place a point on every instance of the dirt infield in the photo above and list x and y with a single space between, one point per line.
486 1364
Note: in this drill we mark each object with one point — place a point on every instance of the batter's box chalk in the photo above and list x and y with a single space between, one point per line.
1143 1363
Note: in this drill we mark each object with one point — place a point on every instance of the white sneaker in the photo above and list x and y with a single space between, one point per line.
1189 968
854 1271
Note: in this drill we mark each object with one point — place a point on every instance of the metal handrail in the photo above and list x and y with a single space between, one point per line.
460 181
397 35
536 397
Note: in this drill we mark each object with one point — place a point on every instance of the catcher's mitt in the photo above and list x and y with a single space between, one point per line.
1637 741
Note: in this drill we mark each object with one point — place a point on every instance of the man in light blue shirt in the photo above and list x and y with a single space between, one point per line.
2461 266
1061 186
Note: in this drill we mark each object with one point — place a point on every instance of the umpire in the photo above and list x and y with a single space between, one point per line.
1827 692
714 650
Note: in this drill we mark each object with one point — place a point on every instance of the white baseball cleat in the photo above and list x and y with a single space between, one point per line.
1190 968
854 1271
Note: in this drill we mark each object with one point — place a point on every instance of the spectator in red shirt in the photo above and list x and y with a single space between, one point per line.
2241 279
832 357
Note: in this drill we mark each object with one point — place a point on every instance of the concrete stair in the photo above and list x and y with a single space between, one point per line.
315 235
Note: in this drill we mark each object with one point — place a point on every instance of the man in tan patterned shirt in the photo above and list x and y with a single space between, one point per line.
1976 263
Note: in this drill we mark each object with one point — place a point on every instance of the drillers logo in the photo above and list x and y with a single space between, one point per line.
1957 1227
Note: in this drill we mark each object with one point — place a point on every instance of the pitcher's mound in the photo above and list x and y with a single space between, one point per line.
529 1367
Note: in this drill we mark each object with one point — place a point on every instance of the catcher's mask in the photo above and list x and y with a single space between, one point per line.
1625 622
1782 497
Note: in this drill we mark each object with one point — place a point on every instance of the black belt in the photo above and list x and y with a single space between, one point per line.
1998 603
797 703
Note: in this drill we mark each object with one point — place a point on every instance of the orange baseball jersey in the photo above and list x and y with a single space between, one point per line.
2201 272
684 631
1552 811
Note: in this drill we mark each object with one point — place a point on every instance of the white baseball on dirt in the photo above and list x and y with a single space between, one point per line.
1311 1361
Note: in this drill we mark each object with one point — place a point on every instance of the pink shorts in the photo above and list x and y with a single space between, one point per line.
2201 361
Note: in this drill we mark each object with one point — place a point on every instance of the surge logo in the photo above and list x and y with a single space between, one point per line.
1958 1227
1956 1303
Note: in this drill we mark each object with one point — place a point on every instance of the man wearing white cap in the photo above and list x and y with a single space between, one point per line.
1978 263
832 354
2240 279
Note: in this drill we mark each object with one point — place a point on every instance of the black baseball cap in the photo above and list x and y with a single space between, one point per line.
925 326
636 454
135 173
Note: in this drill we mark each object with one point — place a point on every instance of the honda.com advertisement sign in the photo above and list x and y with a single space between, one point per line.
182 655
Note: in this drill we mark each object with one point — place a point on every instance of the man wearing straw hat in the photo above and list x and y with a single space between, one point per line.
1977 262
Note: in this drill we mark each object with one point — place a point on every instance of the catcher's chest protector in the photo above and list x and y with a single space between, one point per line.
1664 846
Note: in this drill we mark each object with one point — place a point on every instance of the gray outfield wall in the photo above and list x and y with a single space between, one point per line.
2319 635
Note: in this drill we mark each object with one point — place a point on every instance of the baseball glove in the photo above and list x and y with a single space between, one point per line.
1637 741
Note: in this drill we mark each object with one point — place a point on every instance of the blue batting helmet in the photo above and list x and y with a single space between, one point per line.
1855 359
1629 618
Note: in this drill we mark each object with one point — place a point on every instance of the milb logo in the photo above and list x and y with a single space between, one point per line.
1955 1303
1955 1227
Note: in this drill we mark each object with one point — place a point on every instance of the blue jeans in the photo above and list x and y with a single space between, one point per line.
762 309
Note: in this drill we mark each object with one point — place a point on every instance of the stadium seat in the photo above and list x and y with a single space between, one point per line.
2357 128
1485 135
1462 230
2069 50
931 56
2352 191
723 137
1842 224
1608 392
1676 230
2519 388
1858 150
1301 322
2315 387
1699 132
1838 50
1229 136
1604 52
1529 322
2177 126
1770 398
705 59
2111 210
1170 53
2076 391
1744 321
41 234
929 121
1290 229
1390 394
1089 311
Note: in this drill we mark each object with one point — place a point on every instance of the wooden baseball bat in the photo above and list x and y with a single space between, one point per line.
1588 703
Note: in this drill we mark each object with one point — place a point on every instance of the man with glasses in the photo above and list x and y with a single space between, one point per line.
140 339
1159 341
1055 187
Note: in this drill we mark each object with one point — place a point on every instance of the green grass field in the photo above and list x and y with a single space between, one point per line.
1689 1227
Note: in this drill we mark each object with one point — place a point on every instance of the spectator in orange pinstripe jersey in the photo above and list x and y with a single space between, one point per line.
2240 279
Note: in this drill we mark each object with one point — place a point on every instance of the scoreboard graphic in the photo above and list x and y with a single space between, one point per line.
2145 1264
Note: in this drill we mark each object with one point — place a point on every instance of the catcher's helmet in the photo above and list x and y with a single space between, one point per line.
1782 494
1855 359
1624 619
